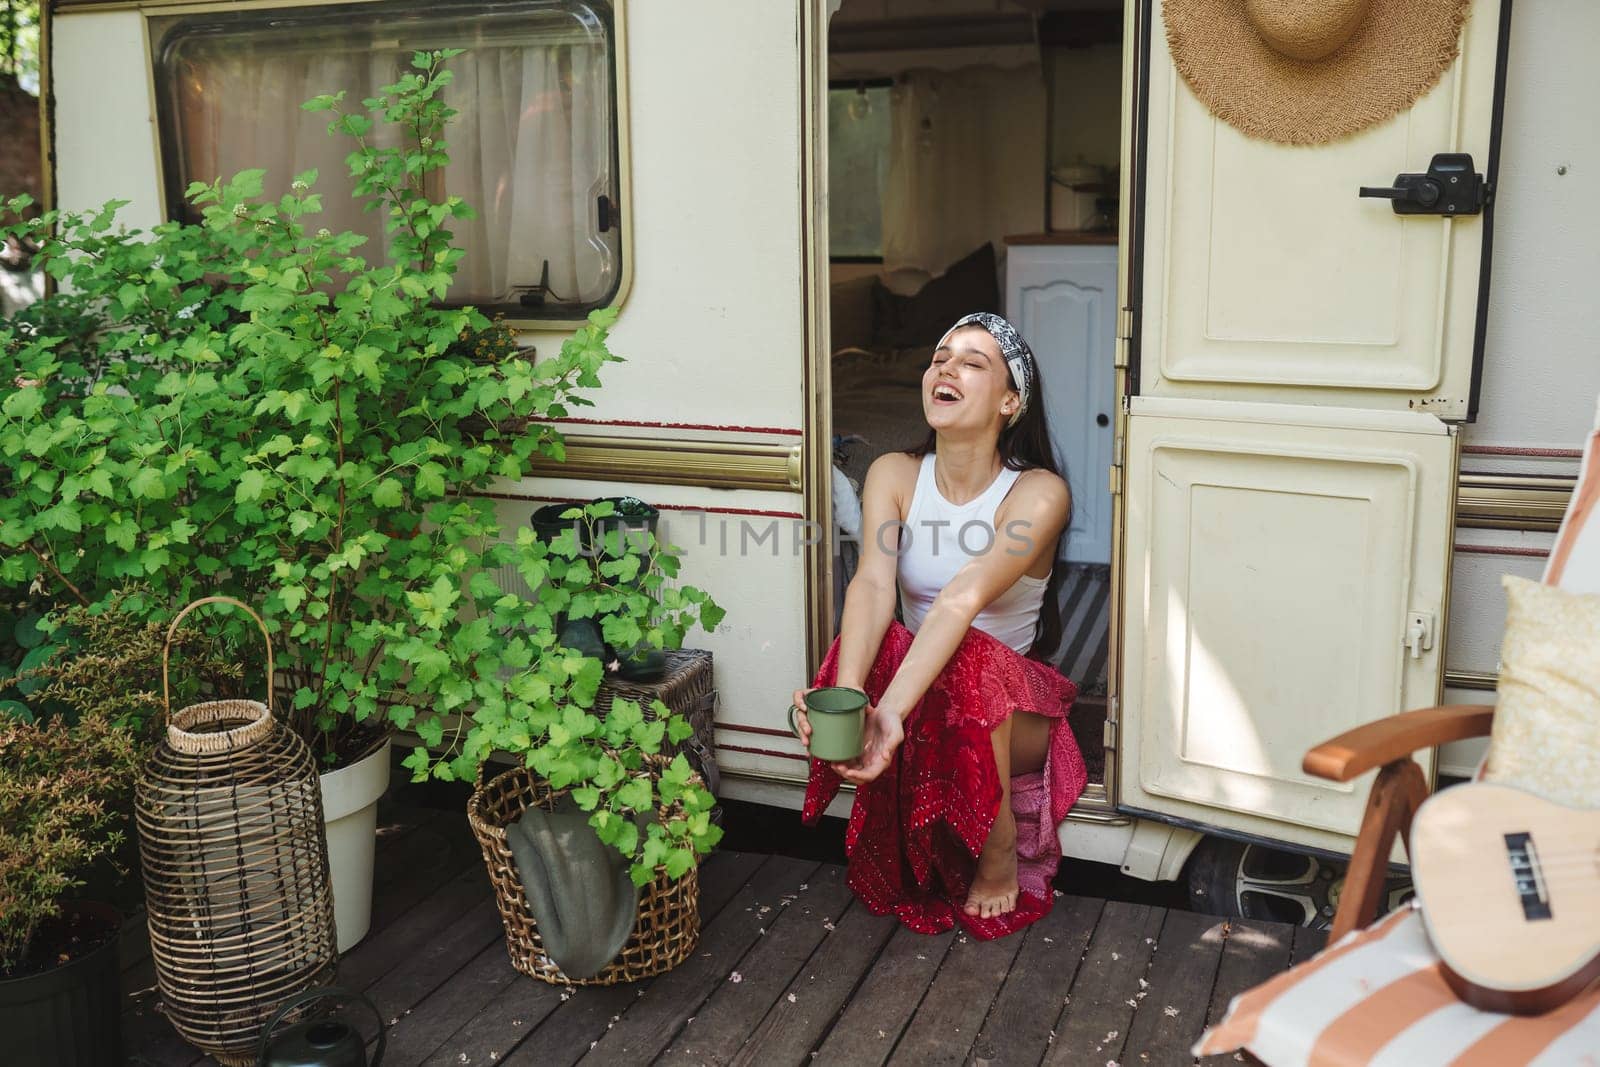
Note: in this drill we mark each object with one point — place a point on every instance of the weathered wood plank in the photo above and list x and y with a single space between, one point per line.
792 934
889 995
382 952
417 1033
1094 1023
1170 1018
1018 1027
672 1000
452 947
793 1027
494 1027
1254 952
1307 943
438 850
948 1020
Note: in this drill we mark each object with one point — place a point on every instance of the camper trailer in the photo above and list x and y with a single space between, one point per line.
1306 428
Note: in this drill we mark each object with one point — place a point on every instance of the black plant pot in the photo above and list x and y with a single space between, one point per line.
632 514
68 1016
548 524
645 665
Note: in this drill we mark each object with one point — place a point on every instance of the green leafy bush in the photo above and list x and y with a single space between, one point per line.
64 792
264 408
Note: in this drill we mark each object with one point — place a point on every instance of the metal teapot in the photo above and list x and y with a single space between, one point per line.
319 1042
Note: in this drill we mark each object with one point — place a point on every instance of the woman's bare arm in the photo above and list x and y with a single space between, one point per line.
1035 510
870 600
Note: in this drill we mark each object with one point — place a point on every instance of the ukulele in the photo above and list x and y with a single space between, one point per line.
1510 891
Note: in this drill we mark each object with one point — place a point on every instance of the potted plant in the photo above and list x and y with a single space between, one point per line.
63 792
599 531
650 808
255 405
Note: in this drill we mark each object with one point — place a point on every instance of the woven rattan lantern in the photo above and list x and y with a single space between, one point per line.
235 866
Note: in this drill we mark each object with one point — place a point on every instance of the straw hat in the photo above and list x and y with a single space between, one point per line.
1311 71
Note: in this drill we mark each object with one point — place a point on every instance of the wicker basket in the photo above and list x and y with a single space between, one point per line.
686 687
665 933
239 903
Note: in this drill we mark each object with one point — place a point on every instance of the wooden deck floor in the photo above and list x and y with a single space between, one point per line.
789 970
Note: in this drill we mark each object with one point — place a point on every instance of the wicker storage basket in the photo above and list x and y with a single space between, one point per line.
687 688
668 927
240 907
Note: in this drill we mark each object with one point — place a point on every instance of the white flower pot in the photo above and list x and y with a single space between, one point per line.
350 810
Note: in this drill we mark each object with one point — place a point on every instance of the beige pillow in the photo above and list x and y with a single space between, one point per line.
1547 715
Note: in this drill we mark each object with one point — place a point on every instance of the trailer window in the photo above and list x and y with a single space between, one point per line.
858 170
534 149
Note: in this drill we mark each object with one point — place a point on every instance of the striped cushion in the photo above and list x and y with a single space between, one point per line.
1378 997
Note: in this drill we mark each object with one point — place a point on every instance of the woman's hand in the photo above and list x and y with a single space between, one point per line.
883 734
802 723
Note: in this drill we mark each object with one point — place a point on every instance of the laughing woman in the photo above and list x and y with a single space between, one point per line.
962 533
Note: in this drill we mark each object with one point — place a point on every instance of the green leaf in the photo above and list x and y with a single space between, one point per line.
147 484
389 493
100 481
586 797
635 795
16 709
252 483
679 860
430 480
27 632
23 404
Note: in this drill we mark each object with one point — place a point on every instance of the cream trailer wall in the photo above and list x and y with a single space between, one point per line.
712 315
712 324
1541 370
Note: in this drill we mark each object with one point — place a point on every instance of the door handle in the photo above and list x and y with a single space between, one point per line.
1450 187
1102 420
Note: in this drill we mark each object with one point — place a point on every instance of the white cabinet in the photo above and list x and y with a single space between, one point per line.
1064 300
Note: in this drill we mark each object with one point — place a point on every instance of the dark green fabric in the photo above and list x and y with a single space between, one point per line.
578 888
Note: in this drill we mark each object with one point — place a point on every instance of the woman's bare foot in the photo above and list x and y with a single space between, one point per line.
994 888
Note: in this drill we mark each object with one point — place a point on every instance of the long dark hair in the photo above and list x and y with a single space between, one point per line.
1026 445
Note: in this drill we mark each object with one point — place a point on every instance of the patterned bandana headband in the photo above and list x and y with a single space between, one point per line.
1019 357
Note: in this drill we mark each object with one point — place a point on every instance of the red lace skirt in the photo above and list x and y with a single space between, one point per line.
916 831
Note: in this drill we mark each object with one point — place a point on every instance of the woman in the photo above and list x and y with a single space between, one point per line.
963 533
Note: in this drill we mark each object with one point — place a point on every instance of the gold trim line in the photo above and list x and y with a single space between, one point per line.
713 464
1479 680
1512 502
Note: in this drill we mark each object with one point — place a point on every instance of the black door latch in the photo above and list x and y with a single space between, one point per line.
1451 187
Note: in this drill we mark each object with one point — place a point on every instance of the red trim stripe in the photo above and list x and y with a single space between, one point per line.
1508 450
764 731
642 425
1502 550
763 752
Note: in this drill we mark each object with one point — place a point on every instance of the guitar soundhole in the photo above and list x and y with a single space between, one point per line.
1529 879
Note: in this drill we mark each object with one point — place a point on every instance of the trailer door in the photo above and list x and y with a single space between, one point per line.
1289 464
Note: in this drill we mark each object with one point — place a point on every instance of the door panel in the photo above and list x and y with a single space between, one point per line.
1063 297
1274 561
1267 278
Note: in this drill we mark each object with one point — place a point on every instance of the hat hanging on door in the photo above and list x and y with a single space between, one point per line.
1311 71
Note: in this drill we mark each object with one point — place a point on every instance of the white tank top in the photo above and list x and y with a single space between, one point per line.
940 538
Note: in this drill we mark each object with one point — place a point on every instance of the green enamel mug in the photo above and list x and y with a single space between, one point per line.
838 715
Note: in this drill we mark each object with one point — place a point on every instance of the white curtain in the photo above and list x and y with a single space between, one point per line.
531 153
530 150
966 164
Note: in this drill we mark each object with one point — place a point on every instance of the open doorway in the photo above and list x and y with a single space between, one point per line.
973 147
